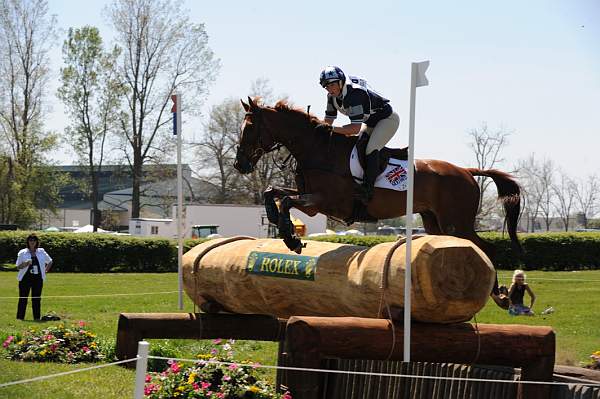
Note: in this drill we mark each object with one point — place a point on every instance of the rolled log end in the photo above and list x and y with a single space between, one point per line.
453 277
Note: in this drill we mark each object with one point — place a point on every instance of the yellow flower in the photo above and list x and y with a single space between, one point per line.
192 378
181 388
21 342
254 389
43 352
597 353
93 345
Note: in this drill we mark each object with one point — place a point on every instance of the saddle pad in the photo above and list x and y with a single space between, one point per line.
394 177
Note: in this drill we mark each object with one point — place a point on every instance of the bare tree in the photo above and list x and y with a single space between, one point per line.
216 149
27 33
536 179
92 96
564 191
487 146
545 174
164 52
587 194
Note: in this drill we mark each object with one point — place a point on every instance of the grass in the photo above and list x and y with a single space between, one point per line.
575 321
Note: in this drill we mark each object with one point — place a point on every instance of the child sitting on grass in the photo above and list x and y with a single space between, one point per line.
516 294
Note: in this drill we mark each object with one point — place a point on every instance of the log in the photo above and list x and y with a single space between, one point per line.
451 278
311 339
133 327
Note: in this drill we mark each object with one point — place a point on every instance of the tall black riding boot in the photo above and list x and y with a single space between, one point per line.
371 172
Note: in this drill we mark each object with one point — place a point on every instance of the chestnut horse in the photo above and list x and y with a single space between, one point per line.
446 196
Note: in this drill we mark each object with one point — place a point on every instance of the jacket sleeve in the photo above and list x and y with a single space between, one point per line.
20 257
48 258
331 111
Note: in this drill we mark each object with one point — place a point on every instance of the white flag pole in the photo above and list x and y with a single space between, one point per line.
177 108
417 78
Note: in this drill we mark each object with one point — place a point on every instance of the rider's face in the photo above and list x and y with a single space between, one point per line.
333 88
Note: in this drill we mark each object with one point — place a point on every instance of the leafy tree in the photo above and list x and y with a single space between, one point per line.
92 95
163 52
27 33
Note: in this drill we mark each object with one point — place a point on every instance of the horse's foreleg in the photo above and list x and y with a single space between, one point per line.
269 197
306 203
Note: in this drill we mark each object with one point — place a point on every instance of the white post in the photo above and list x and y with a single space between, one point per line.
177 109
140 369
417 78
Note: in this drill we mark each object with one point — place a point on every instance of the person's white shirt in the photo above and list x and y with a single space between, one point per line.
25 255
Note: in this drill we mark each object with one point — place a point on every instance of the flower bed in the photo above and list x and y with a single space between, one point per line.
54 344
214 376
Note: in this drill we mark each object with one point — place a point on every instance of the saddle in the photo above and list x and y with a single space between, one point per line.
384 154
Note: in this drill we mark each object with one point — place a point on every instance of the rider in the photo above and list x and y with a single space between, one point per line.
368 112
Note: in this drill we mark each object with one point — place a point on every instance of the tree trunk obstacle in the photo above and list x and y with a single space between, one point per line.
306 342
451 278
342 291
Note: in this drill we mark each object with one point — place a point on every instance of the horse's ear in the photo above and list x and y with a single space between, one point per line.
246 106
252 104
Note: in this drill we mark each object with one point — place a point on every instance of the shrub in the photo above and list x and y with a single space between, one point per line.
209 379
98 253
54 344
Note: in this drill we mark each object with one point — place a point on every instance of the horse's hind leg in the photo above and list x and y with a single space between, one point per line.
430 223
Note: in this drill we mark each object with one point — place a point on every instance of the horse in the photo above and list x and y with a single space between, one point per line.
445 195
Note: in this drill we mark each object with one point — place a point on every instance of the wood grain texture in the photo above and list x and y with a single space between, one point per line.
451 279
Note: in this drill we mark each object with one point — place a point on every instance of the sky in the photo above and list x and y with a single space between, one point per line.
529 67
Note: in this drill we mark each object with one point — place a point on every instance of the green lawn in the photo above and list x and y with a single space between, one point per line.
575 321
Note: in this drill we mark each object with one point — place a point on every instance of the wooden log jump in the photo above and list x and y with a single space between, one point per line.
134 327
309 340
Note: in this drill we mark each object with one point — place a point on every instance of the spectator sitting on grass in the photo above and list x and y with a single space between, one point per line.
516 295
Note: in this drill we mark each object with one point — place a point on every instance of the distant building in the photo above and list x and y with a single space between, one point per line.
158 193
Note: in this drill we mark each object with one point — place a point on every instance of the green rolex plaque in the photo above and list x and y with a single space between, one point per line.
298 267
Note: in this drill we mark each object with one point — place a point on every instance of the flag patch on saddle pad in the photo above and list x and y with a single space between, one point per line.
394 177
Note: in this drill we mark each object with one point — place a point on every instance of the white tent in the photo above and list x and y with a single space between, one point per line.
88 228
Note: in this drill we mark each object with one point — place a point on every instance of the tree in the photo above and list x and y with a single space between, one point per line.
92 95
545 174
487 146
536 180
564 192
27 33
586 196
164 52
216 149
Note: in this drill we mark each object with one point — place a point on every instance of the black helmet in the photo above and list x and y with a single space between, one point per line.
331 74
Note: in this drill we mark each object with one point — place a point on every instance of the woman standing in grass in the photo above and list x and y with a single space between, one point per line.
516 295
32 263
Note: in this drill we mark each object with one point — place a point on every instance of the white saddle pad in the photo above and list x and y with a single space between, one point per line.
394 177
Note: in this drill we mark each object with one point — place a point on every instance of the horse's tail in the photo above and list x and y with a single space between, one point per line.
509 193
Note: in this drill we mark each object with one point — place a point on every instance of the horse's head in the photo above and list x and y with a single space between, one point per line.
255 138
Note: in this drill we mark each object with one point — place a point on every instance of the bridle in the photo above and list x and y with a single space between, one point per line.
261 149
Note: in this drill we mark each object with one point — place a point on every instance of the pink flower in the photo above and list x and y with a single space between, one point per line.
53 347
214 351
233 366
286 395
149 389
81 323
220 395
175 367
85 349
9 339
204 384
255 365
226 378
196 386
217 341
148 378
48 337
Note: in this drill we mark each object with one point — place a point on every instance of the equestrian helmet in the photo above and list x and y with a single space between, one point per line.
331 74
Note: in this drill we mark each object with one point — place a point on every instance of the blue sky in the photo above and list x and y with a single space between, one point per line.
532 67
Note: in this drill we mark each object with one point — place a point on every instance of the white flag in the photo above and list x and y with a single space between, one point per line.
421 69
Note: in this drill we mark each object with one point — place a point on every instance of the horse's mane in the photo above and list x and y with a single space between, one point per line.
284 106
311 122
